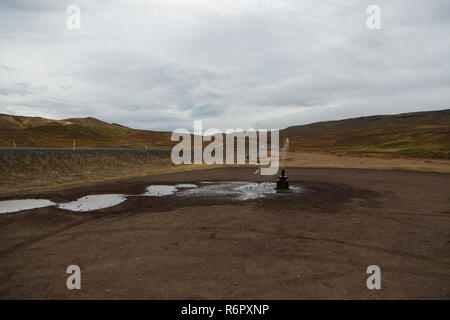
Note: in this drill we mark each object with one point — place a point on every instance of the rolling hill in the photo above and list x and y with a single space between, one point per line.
423 134
87 132
418 134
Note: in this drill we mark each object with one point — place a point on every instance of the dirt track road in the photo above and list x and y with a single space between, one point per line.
315 244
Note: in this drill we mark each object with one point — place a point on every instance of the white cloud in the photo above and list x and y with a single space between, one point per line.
251 63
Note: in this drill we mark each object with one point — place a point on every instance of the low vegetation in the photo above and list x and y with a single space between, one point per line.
413 141
409 135
86 132
36 169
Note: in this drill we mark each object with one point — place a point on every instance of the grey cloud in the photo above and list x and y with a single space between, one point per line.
18 88
30 5
207 111
6 68
163 64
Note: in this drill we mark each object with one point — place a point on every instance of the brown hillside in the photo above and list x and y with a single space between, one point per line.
418 134
19 122
409 134
87 132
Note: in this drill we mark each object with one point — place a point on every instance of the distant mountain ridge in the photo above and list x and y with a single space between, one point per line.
423 134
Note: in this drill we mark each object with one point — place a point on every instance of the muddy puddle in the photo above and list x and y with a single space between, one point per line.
94 202
159 191
9 206
238 190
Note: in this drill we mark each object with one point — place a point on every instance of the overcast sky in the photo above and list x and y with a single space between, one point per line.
161 64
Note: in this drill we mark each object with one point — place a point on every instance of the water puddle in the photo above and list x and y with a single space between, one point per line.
162 190
250 191
94 202
159 191
186 186
238 190
9 206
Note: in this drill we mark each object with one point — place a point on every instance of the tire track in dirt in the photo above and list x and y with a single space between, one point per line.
280 236
36 239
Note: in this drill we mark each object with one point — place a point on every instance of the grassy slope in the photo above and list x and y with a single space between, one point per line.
424 134
419 134
413 135
87 132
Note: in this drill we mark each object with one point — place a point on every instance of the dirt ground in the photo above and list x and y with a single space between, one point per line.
315 244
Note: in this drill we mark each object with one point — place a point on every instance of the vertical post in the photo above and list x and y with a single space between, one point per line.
14 144
73 148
